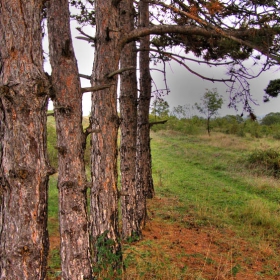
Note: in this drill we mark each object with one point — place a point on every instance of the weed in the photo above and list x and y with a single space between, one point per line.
109 263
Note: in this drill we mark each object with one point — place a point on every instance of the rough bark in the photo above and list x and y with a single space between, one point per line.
67 98
128 111
24 167
105 122
143 166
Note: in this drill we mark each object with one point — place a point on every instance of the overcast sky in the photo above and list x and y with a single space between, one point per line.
185 87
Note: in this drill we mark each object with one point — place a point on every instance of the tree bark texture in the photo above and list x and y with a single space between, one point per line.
105 122
144 166
24 166
128 111
67 97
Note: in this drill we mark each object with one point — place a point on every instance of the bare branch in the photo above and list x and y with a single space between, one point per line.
197 74
85 76
119 71
90 38
96 88
84 38
189 59
158 122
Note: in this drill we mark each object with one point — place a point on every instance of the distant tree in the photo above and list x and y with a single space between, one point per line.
271 118
160 108
211 102
182 111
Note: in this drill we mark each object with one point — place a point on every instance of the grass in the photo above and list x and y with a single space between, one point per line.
212 180
212 217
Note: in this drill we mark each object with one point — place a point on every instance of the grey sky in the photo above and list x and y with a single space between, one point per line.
185 87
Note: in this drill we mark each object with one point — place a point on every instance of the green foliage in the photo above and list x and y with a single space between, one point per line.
51 143
254 128
160 108
109 262
54 264
211 102
84 11
265 161
277 135
270 119
182 112
273 88
192 126
230 124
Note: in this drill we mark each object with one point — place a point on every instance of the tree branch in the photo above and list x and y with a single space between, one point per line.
232 34
197 74
96 88
85 76
119 71
158 122
187 58
87 37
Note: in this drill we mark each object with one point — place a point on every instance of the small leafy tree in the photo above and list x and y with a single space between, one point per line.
160 108
211 102
182 111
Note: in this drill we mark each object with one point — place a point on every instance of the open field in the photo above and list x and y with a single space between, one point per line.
212 218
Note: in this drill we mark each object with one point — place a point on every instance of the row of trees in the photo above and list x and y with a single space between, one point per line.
217 32
188 122
209 106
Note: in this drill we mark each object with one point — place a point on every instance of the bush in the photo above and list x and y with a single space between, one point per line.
277 136
265 161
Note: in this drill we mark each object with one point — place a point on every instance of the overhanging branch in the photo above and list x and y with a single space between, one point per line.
234 35
197 74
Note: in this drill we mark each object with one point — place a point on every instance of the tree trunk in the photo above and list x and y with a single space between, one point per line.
144 173
67 97
24 167
128 110
208 126
105 122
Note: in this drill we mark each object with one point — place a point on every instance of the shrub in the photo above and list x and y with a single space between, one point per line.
265 161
